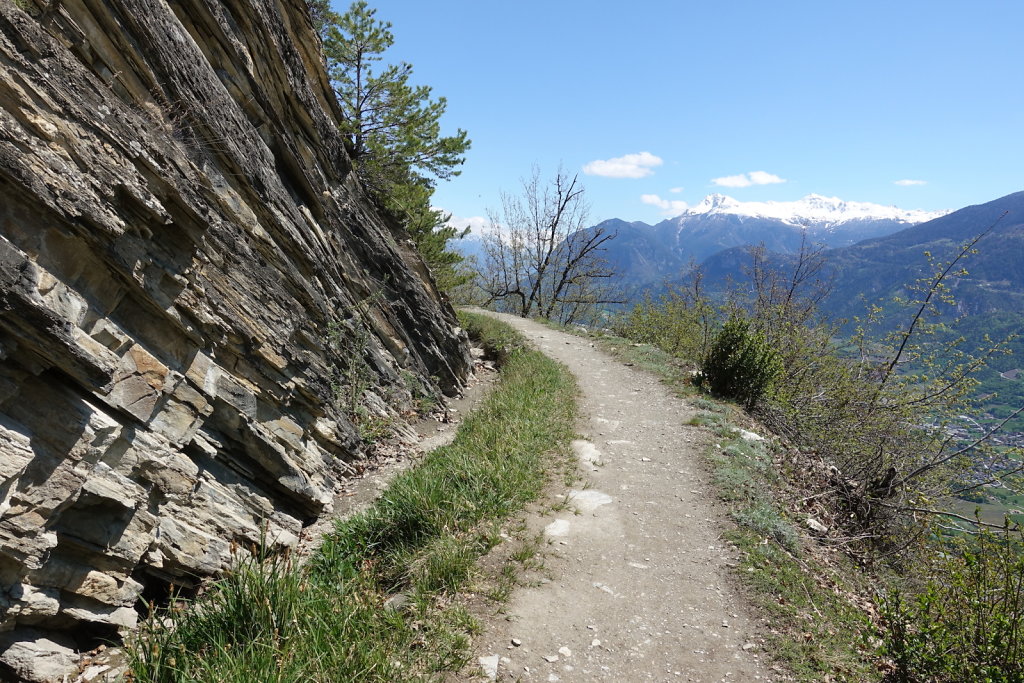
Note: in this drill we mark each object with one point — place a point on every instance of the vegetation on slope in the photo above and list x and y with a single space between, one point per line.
964 618
875 446
376 601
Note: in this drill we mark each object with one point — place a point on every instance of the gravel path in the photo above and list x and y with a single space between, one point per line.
639 588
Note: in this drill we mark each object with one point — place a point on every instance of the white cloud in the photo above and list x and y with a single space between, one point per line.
733 181
478 225
669 207
675 190
907 183
762 178
629 166
748 179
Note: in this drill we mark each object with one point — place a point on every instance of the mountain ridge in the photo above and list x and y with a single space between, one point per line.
646 255
994 279
881 267
810 210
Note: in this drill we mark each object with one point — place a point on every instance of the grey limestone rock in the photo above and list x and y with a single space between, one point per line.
189 273
39 658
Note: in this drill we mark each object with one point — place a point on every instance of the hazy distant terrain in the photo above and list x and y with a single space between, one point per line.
647 255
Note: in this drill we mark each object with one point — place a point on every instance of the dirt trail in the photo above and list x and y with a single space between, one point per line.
639 588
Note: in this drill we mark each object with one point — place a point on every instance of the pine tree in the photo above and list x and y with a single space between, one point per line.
321 14
393 130
430 232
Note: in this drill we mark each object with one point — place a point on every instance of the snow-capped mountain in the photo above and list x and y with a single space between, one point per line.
879 268
814 210
649 254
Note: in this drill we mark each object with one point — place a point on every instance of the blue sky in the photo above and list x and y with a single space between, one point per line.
836 98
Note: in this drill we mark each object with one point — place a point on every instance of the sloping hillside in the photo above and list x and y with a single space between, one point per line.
879 268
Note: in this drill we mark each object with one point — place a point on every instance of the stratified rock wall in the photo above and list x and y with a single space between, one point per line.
192 285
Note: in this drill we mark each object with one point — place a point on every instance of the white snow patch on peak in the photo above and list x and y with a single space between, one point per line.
812 209
716 203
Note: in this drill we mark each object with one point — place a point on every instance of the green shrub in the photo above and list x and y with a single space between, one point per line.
680 323
966 623
740 365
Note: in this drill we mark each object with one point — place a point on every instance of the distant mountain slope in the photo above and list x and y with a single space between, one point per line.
814 211
990 296
647 255
881 267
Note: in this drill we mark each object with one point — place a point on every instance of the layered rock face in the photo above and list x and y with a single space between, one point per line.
194 296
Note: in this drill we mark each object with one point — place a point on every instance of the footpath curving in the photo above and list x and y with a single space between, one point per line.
640 588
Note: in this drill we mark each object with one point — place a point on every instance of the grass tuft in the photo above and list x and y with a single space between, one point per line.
376 601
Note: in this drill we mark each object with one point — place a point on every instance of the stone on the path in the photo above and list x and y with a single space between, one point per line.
564 651
489 666
559 527
550 659
586 451
588 500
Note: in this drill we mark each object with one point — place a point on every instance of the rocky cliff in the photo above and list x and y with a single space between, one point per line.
194 296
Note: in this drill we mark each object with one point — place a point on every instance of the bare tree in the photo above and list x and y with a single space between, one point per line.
540 258
790 292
